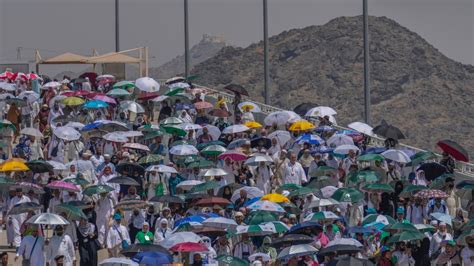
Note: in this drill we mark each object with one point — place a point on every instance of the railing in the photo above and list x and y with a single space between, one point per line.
463 168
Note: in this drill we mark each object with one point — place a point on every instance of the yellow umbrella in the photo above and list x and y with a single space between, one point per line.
72 101
13 165
252 124
301 125
275 197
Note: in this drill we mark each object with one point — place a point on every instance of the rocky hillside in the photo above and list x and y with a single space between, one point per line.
414 86
208 47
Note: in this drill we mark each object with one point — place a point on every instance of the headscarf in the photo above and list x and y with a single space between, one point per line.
85 229
22 149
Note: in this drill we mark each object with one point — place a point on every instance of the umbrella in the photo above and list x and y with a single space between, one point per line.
203 105
345 148
133 249
275 197
118 93
238 143
26 186
132 107
123 180
220 113
212 201
259 217
360 230
64 186
179 237
24 207
432 170
409 190
252 192
454 149
351 195
342 246
265 205
252 124
388 131
253 230
300 192
236 88
233 155
147 84
297 251
115 137
153 258
370 157
72 101
328 191
150 158
235 129
442 217
301 125
5 181
77 180
257 159
128 205
7 124
39 166
188 184
252 107
124 84
367 176
160 168
421 157
349 261
406 236
118 262
13 165
362 128
430 193
378 188
396 155
326 216
291 239
261 142
97 189
323 171
31 132
309 138
174 129
205 186
323 203
47 218
136 146
220 222
376 218
280 118
282 136
73 212
340 139
130 169
167 199
183 150
231 261
302 108
67 133
213 150
95 104
321 111
400 227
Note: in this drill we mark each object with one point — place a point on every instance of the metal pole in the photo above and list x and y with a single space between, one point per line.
366 63
117 31
266 77
186 40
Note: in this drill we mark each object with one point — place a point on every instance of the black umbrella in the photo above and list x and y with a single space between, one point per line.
303 108
340 249
133 249
432 170
261 142
63 119
236 88
293 239
388 131
123 180
349 261
24 207
80 204
167 198
130 169
39 166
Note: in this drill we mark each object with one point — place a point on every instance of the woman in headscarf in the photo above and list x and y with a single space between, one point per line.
208 257
268 249
14 116
87 242
22 149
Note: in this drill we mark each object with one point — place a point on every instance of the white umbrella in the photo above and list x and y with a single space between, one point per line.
30 131
344 149
214 131
115 137
253 107
265 257
321 111
105 76
52 84
132 107
280 118
183 85
235 129
362 128
147 84
344 241
184 149
7 86
322 203
118 262
265 205
297 251
76 125
131 134
160 98
257 159
5 95
31 96
190 126
282 136
160 168
220 222
252 192
179 237
136 146
339 139
57 165
67 133
213 172
47 218
188 184
396 155
328 191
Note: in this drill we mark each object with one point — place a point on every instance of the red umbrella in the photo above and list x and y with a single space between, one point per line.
454 149
430 193
145 96
233 155
189 247
6 75
19 75
78 93
213 201
203 105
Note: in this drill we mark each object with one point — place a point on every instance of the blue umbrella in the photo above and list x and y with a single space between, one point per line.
322 149
237 143
95 104
252 200
194 218
324 129
92 126
152 258
374 150
311 139
209 215
299 227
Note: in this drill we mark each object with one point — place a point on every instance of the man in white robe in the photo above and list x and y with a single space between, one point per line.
60 245
116 235
293 172
15 221
104 207
32 248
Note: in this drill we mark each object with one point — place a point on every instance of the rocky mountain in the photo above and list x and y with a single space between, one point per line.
208 47
413 85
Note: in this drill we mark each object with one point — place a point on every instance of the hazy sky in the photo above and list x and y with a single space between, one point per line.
56 26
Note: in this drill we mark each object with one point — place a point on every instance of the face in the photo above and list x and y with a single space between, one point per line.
19 194
59 231
293 158
442 228
145 228
5 259
164 225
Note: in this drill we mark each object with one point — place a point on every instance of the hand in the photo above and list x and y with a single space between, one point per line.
16 258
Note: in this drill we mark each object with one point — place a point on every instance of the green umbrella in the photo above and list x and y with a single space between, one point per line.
118 93
370 157
149 127
97 189
201 163
153 134
371 218
323 171
410 190
174 91
258 217
378 187
300 192
209 143
421 157
213 150
440 181
366 176
5 181
78 180
174 129
189 159
406 236
320 182
7 124
290 207
150 158
461 240
191 78
73 212
425 228
347 195
124 84
24 207
289 187
231 261
205 186
179 142
400 227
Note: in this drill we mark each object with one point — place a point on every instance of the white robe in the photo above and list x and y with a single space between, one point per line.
37 255
16 220
262 176
294 174
60 245
161 234
113 236
104 209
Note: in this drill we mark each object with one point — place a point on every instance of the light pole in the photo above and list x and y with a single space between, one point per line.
266 77
366 63
186 40
117 32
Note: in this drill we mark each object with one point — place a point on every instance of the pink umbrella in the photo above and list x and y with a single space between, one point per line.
32 76
63 185
104 98
136 146
233 155
26 186
203 105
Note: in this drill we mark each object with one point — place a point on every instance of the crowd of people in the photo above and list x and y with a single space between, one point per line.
178 173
